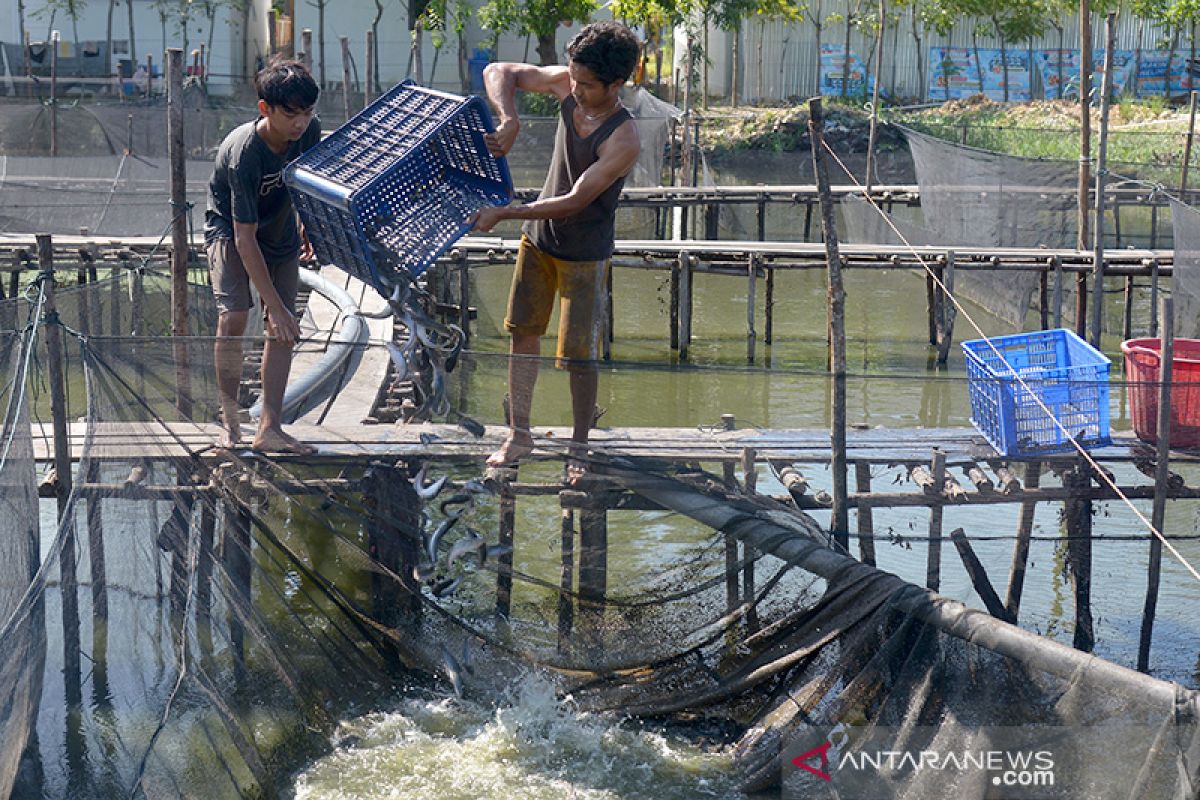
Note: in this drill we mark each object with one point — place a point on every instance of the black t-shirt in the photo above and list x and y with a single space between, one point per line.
247 186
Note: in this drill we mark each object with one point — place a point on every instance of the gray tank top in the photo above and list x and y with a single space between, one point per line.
588 235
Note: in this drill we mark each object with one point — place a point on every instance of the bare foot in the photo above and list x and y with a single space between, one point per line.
231 435
274 440
513 450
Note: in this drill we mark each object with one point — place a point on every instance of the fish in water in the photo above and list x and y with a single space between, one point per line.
471 543
446 586
497 550
431 490
481 486
452 670
436 538
423 573
463 499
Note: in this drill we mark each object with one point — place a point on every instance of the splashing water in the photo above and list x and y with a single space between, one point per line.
530 746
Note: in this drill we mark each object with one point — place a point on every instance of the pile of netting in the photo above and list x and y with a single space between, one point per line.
201 620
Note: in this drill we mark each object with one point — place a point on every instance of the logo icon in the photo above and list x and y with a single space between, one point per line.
822 751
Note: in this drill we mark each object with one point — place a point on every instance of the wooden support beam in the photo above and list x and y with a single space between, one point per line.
947 312
1158 513
866 523
751 302
507 536
685 305
732 587
566 604
1078 513
749 553
1020 558
933 567
978 576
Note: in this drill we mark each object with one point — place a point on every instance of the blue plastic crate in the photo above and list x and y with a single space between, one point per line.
388 192
1066 373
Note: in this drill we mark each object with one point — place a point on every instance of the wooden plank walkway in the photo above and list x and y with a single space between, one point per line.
343 441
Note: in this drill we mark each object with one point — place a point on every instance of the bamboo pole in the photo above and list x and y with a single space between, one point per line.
839 522
1101 175
1162 469
751 302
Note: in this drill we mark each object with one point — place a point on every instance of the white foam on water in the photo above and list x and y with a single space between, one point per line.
530 746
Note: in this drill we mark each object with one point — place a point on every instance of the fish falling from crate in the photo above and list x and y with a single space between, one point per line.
387 193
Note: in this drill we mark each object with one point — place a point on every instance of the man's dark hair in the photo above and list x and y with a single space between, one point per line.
287 84
608 49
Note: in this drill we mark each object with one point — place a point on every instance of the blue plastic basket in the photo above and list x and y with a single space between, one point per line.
388 192
1066 373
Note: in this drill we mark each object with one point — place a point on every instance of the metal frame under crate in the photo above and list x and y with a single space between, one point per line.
392 189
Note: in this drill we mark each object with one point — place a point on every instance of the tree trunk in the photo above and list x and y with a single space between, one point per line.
1191 55
704 65
978 60
1137 55
212 29
247 73
916 33
1061 75
735 73
373 67
818 28
133 53
1003 66
464 76
762 35
1170 62
162 24
546 49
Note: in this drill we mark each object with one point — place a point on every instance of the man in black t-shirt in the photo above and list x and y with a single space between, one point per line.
253 237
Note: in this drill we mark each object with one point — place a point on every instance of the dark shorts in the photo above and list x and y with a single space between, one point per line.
231 282
582 317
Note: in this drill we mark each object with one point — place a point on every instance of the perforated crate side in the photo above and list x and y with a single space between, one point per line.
1066 374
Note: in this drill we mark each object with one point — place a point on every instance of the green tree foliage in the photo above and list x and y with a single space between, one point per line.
539 18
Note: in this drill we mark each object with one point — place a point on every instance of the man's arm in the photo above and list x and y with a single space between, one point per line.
502 79
617 156
287 329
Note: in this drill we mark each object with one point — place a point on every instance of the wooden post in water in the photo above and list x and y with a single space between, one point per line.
749 553
54 93
593 558
1154 297
96 557
1101 173
1056 262
933 566
464 292
1161 473
393 542
839 520
732 590
866 521
179 242
769 309
1079 552
673 312
751 302
685 305
345 42
149 76
566 602
1020 558
508 521
1187 147
62 468
949 312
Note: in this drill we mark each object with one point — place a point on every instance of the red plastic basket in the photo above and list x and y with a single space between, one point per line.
1143 358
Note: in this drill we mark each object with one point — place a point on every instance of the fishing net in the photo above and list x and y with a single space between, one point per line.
202 620
977 198
1185 269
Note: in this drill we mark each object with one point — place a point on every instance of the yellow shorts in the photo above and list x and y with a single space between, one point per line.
583 300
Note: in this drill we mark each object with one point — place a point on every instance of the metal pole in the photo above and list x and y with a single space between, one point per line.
839 522
1098 249
1161 473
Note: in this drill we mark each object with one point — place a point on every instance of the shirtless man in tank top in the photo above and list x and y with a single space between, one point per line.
568 232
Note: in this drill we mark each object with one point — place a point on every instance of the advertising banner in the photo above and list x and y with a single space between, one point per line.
833 71
953 73
992 61
1152 73
1063 66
